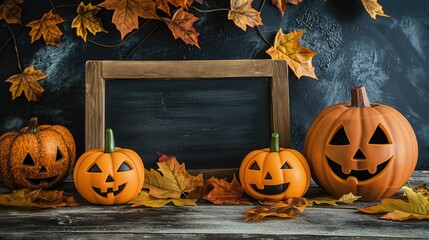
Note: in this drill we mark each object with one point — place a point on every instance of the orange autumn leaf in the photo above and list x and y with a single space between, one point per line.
225 192
127 12
87 21
27 82
243 14
287 47
180 3
37 198
373 8
281 4
171 179
46 27
203 189
289 208
163 6
10 11
417 207
181 25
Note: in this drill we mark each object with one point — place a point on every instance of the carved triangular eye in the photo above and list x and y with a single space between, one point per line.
379 137
94 168
340 137
255 166
28 160
285 166
59 156
124 167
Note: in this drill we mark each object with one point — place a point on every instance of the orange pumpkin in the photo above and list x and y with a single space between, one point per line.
109 175
274 173
36 156
365 148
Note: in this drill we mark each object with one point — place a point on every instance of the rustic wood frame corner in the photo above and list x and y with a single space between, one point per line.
97 72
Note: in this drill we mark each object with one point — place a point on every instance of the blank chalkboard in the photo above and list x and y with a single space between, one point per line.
209 114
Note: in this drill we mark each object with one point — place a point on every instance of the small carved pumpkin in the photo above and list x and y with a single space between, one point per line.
274 173
36 156
367 149
109 175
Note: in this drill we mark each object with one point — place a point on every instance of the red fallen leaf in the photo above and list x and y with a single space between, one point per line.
225 192
290 208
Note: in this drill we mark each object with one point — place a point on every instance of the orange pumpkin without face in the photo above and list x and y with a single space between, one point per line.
36 156
109 175
367 149
274 173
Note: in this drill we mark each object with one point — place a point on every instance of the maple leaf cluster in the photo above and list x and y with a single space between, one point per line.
37 198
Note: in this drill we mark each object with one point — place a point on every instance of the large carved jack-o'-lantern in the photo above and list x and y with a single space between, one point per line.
109 175
36 156
274 173
367 149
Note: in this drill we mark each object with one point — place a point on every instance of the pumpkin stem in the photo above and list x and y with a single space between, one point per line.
360 98
275 146
33 126
109 145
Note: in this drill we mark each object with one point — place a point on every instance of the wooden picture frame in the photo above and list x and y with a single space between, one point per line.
98 72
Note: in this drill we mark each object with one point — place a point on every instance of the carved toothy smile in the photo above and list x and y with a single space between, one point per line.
109 190
41 181
271 189
360 175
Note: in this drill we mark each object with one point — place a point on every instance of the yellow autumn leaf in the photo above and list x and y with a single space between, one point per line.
243 14
287 47
144 199
27 82
417 207
37 198
345 199
373 8
87 21
47 28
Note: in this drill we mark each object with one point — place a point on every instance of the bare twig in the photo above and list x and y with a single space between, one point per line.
16 48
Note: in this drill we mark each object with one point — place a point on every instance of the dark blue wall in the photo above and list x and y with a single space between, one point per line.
389 56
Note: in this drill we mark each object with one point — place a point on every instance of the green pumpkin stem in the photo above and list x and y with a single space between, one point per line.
33 126
360 98
275 146
109 142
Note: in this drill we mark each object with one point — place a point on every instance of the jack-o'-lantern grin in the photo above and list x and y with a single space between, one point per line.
360 175
271 189
42 181
109 190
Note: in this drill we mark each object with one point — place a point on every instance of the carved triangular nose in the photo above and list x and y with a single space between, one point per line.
109 179
43 169
268 176
359 155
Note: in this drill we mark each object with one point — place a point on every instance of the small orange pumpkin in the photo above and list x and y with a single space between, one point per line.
365 148
274 173
36 156
109 175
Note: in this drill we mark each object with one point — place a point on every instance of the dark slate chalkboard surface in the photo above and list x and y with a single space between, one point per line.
389 56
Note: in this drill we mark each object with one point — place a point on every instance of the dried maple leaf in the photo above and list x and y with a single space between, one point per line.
287 47
46 27
163 6
87 21
243 14
422 189
373 8
181 27
281 4
225 192
27 82
346 199
290 208
202 190
180 3
171 180
417 207
37 198
144 199
10 11
127 12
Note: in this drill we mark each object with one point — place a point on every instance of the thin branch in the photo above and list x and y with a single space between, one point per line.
259 30
16 48
142 41
210 10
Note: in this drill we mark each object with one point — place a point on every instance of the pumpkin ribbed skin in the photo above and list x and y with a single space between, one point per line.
375 158
36 156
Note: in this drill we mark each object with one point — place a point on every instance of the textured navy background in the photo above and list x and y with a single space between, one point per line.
389 57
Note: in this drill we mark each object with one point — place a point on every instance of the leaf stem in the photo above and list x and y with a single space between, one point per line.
142 41
259 30
210 10
16 48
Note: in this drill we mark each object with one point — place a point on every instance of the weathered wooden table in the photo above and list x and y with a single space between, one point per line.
205 221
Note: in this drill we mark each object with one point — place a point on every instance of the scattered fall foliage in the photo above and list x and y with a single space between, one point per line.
10 11
87 21
144 199
289 208
374 8
27 82
181 27
287 47
225 192
47 27
422 189
243 14
37 198
170 180
281 4
417 207
345 199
